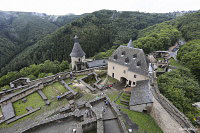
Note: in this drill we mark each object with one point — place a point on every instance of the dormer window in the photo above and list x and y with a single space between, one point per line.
123 53
134 56
138 63
115 57
127 60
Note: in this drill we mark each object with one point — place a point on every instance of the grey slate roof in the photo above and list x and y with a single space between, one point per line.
77 50
136 56
141 94
130 44
97 63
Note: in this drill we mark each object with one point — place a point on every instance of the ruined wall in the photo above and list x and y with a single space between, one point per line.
141 107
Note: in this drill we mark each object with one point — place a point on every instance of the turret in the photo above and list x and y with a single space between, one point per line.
77 55
130 44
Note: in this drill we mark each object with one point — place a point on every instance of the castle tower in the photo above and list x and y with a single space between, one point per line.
77 56
130 44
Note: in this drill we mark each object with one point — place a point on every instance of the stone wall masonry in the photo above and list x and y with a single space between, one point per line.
18 95
172 110
53 78
40 83
87 85
21 116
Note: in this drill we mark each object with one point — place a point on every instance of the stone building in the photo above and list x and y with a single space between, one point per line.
141 99
77 56
128 65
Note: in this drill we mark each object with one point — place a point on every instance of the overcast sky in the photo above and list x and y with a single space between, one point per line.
61 7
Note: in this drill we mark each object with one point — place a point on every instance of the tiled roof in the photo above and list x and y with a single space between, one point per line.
136 57
77 50
96 63
141 94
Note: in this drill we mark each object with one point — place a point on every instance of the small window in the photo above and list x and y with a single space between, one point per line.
127 60
113 67
135 76
113 75
123 53
79 59
124 71
139 63
129 83
115 57
134 56
133 83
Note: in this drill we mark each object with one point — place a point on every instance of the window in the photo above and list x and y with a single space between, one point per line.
115 57
123 53
134 56
135 76
138 63
133 83
127 60
124 71
113 67
79 59
129 83
113 75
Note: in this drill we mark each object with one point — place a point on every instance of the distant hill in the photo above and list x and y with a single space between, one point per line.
22 29
98 31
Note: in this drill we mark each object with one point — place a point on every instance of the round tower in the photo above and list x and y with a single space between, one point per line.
77 55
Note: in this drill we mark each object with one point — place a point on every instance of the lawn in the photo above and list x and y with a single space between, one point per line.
34 100
54 90
144 121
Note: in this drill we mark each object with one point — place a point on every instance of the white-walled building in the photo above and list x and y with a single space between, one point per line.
128 65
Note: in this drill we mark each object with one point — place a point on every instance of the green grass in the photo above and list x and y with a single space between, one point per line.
174 63
80 76
75 88
67 80
0 111
159 59
112 95
54 90
34 100
160 69
144 121
53 105
87 97
111 80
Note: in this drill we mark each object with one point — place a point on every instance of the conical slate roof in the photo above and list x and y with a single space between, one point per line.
77 50
130 44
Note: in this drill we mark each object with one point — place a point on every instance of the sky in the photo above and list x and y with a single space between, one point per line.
62 7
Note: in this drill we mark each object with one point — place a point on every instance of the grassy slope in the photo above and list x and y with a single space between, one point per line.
144 121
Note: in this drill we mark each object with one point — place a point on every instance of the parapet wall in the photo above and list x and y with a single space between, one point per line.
173 111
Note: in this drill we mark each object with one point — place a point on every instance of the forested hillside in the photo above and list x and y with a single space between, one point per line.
97 31
19 30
